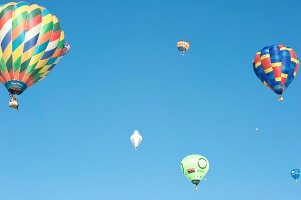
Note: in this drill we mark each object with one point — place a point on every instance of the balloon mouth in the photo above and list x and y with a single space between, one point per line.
196 182
279 89
182 50
296 178
15 87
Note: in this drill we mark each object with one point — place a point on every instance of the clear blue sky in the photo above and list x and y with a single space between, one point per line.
70 138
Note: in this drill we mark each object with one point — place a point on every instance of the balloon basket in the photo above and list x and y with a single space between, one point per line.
13 102
280 98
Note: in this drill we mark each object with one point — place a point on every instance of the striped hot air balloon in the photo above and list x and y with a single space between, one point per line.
31 44
276 66
183 46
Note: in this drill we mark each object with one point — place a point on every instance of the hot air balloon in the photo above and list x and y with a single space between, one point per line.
195 167
183 46
66 48
31 44
276 66
136 139
295 173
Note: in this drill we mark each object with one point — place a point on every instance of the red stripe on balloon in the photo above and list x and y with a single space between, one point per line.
33 22
56 35
3 77
7 16
21 75
11 74
257 58
266 63
277 71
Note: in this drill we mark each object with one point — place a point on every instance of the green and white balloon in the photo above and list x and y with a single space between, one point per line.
195 168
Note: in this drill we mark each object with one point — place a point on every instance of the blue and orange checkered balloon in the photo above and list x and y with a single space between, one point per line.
276 66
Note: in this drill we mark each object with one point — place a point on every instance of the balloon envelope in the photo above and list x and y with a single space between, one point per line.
276 67
136 139
295 173
195 167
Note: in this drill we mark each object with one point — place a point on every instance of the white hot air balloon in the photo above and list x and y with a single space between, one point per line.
136 139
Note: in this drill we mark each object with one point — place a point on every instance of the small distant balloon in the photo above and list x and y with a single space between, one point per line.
66 48
183 46
295 173
136 139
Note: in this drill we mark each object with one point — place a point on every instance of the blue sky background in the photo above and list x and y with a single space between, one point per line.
70 138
